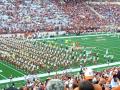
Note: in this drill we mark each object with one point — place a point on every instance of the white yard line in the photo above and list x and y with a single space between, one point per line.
68 37
3 76
60 72
12 68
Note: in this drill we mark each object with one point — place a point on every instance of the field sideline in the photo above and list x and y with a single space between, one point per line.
101 42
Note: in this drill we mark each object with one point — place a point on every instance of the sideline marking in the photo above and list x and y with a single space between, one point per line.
12 68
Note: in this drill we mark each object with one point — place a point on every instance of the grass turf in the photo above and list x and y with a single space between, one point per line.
100 42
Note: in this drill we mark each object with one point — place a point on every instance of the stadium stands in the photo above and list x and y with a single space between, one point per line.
22 16
30 16
109 11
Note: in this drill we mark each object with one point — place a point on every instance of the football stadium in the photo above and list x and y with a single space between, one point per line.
59 44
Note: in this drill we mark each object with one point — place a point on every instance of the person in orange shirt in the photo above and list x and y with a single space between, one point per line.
117 88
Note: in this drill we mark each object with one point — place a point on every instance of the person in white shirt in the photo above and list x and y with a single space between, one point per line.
114 81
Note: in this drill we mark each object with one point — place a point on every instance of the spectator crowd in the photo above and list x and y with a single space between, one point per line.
108 79
30 15
18 16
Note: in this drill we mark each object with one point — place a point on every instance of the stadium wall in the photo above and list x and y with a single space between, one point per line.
32 35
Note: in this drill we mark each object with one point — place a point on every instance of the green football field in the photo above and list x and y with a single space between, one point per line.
98 44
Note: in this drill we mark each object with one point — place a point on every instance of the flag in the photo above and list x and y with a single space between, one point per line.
106 54
66 41
73 44
106 51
